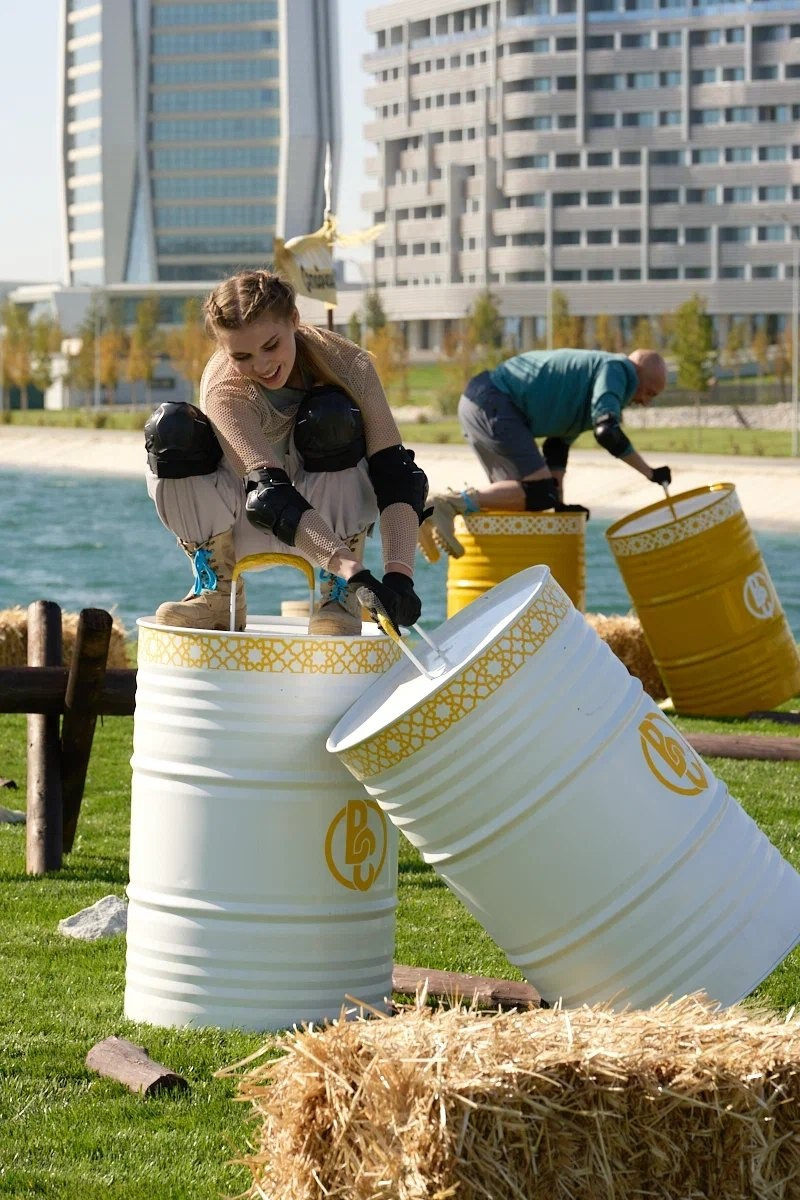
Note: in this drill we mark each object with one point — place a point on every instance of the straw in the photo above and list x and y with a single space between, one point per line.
678 1102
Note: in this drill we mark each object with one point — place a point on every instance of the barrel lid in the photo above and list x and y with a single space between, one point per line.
682 507
464 640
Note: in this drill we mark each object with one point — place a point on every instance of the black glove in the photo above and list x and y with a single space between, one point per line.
560 507
395 595
661 475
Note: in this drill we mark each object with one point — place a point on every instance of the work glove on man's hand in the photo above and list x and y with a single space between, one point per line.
395 594
661 475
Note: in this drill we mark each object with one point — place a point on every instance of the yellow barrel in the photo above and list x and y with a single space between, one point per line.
499 544
707 605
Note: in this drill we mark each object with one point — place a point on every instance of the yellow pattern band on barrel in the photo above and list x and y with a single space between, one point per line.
464 690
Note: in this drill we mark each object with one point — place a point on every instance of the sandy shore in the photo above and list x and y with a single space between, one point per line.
768 488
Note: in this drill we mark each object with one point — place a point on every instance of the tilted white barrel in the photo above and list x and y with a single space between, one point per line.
262 879
567 812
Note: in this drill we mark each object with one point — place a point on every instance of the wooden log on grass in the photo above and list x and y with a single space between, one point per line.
469 989
116 1058
81 706
43 838
744 745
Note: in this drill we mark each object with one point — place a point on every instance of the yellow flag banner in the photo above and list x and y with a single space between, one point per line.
307 261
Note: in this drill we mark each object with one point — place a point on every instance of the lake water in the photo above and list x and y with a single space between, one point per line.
89 541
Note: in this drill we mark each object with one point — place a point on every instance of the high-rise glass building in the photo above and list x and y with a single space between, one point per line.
193 131
627 152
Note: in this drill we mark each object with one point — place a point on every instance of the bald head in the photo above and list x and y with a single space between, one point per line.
651 371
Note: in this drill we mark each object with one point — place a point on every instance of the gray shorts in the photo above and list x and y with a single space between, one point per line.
496 431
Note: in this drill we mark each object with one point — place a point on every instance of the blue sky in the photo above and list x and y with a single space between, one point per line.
30 233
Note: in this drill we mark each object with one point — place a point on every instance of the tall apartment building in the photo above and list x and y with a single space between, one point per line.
192 132
628 152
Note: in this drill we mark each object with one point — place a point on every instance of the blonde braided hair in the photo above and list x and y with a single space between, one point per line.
249 295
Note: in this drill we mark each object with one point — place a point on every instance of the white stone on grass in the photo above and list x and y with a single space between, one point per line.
106 918
10 816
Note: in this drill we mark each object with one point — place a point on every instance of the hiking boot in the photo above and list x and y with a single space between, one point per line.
338 612
208 604
438 531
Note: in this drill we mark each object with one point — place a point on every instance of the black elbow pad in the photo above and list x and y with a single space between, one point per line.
396 479
273 504
556 453
609 435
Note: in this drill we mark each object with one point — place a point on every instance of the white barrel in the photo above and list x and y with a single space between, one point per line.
567 812
262 880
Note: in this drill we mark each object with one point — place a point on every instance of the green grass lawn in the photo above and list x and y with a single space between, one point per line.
65 1132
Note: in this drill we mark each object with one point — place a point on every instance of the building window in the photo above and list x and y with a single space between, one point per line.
564 276
733 74
664 273
701 195
706 155
740 114
734 233
668 38
659 236
606 83
600 275
567 237
666 158
568 160
566 199
630 158
704 75
706 116
635 41
772 153
665 196
602 120
765 272
600 41
695 233
642 120
731 273
598 237
774 193
630 273
669 78
599 158
737 195
629 237
697 273
599 198
771 233
738 154
630 196
734 35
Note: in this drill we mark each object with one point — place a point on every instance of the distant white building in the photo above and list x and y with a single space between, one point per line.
629 153
192 132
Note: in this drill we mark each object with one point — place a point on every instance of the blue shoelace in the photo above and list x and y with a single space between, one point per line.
205 578
338 592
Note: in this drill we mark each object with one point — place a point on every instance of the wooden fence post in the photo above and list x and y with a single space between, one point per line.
43 839
81 706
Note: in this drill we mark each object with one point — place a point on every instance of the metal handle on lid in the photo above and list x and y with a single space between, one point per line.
261 562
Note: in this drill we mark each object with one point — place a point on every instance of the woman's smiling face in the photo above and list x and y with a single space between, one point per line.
264 350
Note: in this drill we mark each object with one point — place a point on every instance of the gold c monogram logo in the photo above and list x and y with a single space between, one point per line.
671 760
355 844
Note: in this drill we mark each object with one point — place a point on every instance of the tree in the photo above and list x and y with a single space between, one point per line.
643 335
567 329
17 365
83 365
735 343
46 338
374 313
485 323
354 328
458 363
144 346
783 361
693 344
606 333
388 350
189 346
759 348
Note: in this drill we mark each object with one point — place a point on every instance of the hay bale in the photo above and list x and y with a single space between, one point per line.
14 639
625 637
678 1101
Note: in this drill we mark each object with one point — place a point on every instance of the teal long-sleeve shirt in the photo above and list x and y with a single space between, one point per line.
561 393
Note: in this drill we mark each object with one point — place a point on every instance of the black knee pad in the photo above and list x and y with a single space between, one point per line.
329 430
180 441
539 494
